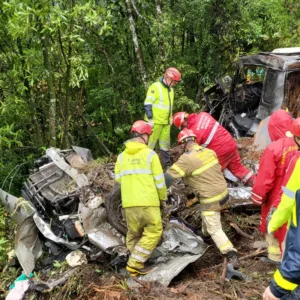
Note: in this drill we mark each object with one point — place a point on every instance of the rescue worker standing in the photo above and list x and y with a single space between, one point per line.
286 280
285 201
200 170
143 190
273 164
158 108
209 133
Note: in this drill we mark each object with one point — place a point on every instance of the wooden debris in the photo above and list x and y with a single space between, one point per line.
224 272
256 253
144 284
240 232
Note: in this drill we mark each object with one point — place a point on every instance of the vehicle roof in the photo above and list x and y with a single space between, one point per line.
279 61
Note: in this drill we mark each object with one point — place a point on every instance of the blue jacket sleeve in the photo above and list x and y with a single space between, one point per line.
287 277
148 111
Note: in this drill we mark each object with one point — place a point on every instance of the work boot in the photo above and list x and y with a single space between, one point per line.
232 258
267 260
136 272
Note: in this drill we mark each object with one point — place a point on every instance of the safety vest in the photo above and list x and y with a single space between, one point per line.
139 171
161 98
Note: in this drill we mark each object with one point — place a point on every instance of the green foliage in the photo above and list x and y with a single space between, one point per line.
95 67
8 137
3 255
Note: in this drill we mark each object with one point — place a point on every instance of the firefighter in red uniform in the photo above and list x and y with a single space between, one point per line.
209 133
272 167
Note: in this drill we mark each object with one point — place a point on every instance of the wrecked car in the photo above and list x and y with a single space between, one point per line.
262 83
71 202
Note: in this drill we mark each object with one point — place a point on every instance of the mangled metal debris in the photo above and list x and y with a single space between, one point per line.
76 258
262 83
65 209
179 248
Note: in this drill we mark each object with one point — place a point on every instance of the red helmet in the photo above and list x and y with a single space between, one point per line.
178 119
295 128
173 74
184 134
141 127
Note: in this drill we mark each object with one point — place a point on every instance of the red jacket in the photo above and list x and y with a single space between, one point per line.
211 134
273 164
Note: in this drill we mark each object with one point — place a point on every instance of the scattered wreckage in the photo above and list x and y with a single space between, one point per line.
70 202
262 83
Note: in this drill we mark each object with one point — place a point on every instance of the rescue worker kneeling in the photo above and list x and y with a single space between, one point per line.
201 171
139 171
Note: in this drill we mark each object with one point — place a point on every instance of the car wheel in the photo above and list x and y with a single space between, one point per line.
115 212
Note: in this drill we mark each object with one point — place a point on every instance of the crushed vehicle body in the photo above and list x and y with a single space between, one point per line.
262 84
71 202
64 208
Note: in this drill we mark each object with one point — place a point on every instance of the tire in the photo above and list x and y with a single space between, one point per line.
115 212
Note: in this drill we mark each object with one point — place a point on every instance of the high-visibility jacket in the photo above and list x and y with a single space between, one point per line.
139 171
287 277
290 185
202 173
209 133
160 98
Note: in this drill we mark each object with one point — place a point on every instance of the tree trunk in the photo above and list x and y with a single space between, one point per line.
137 48
182 41
66 106
198 97
161 44
50 80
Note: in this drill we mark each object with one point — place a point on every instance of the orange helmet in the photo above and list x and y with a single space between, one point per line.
295 128
173 74
179 119
141 127
185 135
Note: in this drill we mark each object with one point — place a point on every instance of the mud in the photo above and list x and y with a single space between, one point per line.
247 150
200 280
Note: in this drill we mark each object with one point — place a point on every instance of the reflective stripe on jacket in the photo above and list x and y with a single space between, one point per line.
139 171
273 164
291 184
287 277
209 133
201 171
161 98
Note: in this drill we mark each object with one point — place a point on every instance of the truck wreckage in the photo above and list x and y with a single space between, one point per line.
71 202
262 83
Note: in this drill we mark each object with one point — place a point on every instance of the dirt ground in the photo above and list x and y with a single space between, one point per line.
199 280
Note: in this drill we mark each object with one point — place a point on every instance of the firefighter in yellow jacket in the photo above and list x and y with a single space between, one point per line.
201 171
143 191
158 109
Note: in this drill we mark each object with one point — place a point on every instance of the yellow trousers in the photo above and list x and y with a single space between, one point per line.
274 252
144 232
160 133
211 225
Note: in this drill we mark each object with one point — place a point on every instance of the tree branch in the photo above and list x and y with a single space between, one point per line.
138 14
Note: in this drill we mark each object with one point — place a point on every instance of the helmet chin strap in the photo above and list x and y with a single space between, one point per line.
146 143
